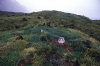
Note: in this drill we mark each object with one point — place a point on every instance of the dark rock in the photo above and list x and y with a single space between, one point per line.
72 26
87 43
77 63
68 59
47 57
48 24
22 63
98 58
54 62
28 61
31 55
57 56
17 26
39 17
19 38
43 24
24 19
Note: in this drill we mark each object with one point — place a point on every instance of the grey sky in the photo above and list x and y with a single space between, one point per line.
11 5
89 8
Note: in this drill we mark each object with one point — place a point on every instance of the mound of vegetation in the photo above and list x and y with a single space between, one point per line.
38 46
11 21
96 22
32 39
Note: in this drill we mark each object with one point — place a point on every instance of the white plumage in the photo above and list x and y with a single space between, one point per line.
42 30
61 40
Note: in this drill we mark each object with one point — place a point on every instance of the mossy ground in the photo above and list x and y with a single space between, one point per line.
23 44
38 49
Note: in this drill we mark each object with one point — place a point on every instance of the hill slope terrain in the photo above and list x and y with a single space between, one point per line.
32 39
51 19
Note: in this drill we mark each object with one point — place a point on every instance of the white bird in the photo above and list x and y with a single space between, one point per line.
61 40
42 30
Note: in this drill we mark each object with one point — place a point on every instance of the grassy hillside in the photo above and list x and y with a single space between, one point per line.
42 49
51 19
32 39
96 22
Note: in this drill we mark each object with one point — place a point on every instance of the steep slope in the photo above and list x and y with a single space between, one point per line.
32 39
51 19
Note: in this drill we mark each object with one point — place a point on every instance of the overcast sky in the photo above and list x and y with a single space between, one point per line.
11 6
89 8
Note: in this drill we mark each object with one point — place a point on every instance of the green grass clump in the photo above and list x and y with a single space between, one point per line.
50 19
39 48
17 45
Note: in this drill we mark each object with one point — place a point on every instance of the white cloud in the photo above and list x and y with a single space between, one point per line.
88 8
